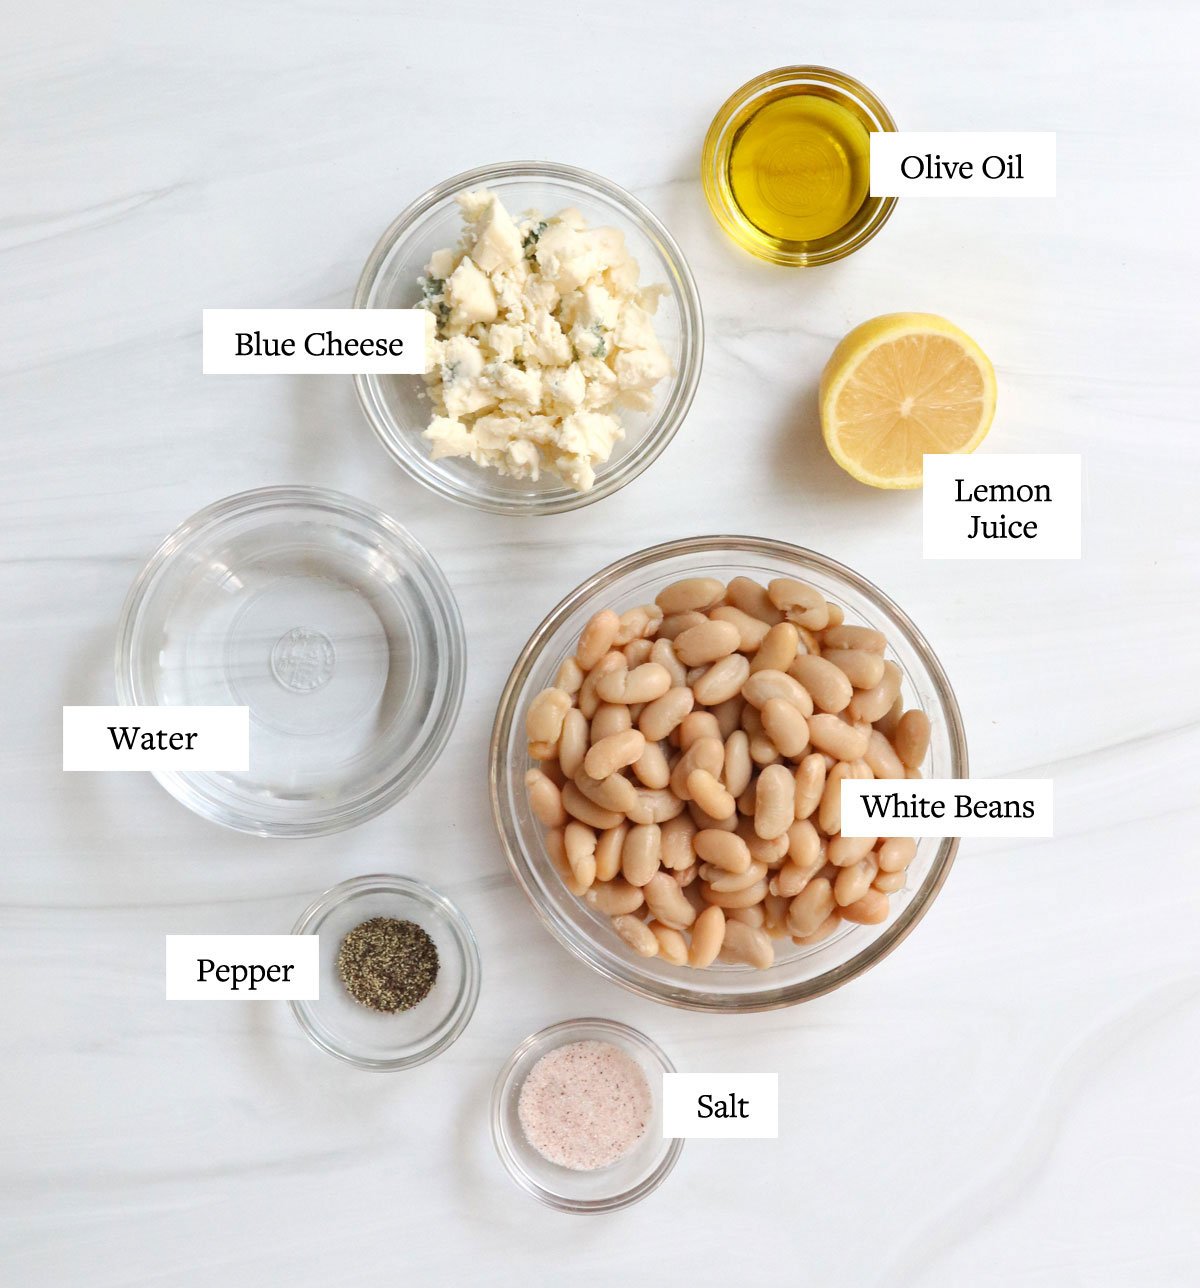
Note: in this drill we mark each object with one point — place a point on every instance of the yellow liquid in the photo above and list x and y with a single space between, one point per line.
800 167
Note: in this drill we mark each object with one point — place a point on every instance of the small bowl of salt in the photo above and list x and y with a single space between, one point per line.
577 1116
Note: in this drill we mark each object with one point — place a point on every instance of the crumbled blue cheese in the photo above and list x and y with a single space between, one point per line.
542 334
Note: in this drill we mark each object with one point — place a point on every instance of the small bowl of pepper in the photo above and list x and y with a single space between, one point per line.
399 974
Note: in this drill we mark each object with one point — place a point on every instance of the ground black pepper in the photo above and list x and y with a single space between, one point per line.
388 964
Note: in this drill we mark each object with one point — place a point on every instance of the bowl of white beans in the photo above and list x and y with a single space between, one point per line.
666 762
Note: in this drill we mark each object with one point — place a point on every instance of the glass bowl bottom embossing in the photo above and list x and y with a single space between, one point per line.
326 619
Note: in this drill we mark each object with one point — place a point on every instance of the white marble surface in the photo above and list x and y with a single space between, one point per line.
1011 1098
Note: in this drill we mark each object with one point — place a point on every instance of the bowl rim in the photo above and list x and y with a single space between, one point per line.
657 435
715 154
183 784
502 1089
459 1015
581 946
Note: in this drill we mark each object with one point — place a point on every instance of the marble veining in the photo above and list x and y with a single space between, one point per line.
1010 1098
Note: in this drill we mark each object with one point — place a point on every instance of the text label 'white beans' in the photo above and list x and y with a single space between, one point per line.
999 807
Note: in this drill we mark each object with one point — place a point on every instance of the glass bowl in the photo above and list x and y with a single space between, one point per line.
799 973
331 623
733 116
370 1039
607 1189
397 406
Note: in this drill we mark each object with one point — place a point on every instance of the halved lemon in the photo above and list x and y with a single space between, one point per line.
899 386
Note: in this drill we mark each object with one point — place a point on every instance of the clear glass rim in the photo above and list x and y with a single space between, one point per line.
501 1091
189 788
460 1013
715 156
652 444
584 947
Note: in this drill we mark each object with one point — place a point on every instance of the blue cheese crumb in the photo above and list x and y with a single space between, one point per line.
540 333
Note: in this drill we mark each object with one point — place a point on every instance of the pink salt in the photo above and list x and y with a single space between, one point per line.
585 1105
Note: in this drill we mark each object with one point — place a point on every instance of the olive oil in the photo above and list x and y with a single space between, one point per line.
800 167
787 165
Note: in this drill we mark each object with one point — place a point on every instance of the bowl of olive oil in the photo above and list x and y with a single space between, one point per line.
787 166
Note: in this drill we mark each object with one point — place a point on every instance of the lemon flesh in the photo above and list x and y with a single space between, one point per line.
899 386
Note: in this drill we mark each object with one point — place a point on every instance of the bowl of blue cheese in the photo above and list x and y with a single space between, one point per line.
564 338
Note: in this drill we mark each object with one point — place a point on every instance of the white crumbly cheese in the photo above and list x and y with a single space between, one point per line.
541 335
